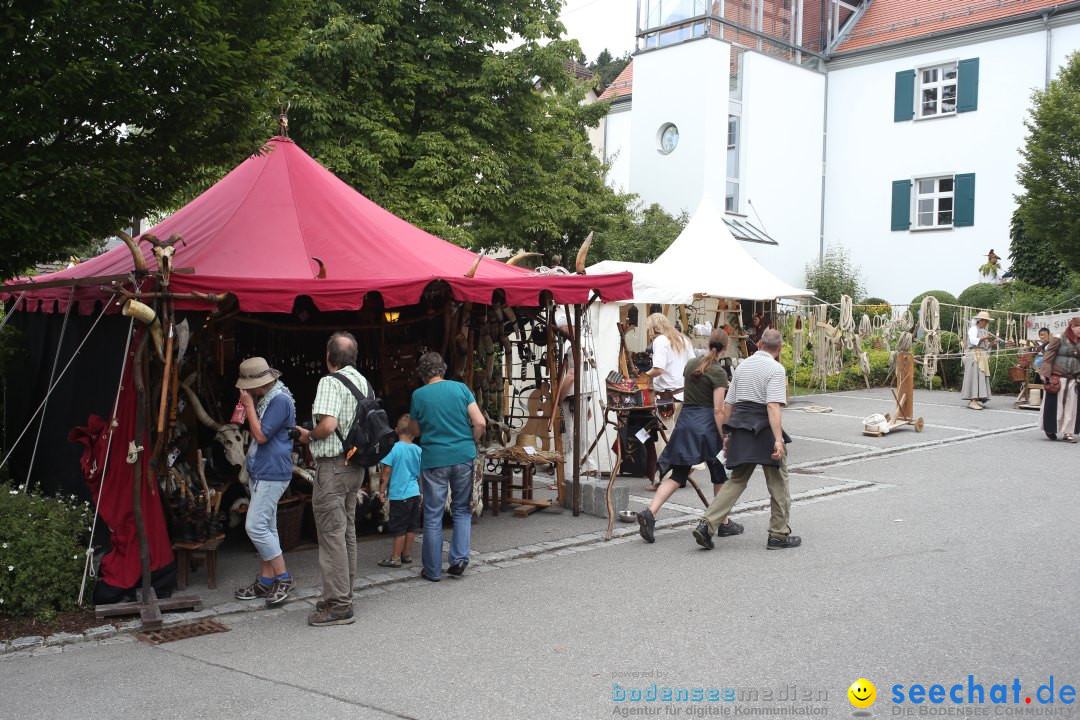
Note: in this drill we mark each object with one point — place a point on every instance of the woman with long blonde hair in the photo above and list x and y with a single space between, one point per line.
671 350
697 436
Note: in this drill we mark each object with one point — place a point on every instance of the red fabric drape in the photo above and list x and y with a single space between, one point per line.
120 567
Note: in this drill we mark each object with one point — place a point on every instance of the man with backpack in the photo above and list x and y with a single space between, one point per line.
338 481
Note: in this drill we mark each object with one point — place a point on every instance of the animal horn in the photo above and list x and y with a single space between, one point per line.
196 404
582 253
136 255
521 256
322 267
475 265
146 315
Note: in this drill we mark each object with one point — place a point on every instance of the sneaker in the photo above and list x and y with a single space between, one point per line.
331 616
732 528
423 574
777 543
975 405
703 535
646 525
390 563
406 559
457 569
279 592
254 591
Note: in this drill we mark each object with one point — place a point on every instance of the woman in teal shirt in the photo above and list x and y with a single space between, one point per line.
448 422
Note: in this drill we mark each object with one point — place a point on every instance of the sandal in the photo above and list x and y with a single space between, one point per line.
390 563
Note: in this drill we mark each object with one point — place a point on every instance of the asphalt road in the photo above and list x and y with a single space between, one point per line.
956 555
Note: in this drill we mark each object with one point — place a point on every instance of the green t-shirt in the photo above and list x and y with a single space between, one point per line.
442 411
699 390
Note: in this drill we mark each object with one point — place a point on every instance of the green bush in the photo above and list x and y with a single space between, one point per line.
981 296
947 313
42 551
1000 362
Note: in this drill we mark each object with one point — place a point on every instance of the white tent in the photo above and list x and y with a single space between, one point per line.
705 260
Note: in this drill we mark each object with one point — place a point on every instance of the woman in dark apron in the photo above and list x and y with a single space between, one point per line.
697 435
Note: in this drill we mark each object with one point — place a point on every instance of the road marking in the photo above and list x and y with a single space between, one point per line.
926 404
834 442
863 417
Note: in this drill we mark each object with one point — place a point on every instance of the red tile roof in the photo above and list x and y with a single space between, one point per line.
890 21
623 86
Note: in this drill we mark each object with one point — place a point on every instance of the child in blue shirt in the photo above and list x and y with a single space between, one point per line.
400 484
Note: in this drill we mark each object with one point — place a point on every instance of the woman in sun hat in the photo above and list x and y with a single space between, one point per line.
271 413
976 389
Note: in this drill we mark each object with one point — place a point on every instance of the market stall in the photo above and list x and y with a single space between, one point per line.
269 261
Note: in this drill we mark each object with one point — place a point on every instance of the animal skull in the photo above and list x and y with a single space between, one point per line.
235 442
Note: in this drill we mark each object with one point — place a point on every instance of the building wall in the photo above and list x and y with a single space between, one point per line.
617 146
783 113
684 84
867 151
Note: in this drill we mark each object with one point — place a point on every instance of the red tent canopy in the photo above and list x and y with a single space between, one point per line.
255 234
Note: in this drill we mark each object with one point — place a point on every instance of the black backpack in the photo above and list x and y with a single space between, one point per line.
370 436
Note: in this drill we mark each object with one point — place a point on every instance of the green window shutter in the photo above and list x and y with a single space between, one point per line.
967 85
901 205
964 200
904 98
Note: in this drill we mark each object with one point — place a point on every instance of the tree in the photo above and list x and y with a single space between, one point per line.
638 236
1050 172
418 109
1032 261
607 67
834 275
111 106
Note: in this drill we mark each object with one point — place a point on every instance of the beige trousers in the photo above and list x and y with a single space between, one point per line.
776 479
333 503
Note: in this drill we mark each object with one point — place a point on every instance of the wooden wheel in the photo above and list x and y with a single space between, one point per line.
918 425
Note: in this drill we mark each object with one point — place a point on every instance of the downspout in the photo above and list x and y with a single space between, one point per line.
1046 23
824 150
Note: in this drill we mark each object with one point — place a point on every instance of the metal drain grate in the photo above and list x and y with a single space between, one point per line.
182 632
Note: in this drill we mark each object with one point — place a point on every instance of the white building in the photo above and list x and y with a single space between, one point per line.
892 127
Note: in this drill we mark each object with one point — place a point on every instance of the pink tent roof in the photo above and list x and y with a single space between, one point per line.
255 234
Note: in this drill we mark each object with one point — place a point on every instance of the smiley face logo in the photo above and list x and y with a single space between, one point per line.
862 693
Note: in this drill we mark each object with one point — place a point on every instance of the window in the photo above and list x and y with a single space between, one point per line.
731 194
937 90
938 202
934 202
667 138
946 89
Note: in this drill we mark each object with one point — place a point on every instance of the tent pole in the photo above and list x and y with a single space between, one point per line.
575 344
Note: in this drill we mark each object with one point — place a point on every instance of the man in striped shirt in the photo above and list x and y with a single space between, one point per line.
337 484
753 436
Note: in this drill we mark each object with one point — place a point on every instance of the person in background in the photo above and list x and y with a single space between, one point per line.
976 388
1044 340
671 350
697 434
400 484
754 435
449 423
1061 377
337 484
271 414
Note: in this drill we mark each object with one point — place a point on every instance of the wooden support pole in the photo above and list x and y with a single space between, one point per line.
575 344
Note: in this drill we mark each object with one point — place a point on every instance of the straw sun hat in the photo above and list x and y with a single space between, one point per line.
983 315
256 372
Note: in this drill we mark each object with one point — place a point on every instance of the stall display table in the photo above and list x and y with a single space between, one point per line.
498 493
187 553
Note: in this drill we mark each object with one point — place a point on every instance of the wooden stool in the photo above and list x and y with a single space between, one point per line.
492 492
187 553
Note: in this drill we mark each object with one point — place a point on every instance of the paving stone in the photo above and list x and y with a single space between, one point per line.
118 640
100 633
483 569
173 619
380 578
564 551
85 645
63 638
370 592
297 606
398 574
26 642
47 651
594 496
228 608
130 626
308 592
16 655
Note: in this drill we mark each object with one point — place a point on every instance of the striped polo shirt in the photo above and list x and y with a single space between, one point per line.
758 379
333 399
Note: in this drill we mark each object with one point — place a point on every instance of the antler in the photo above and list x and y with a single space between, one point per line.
579 263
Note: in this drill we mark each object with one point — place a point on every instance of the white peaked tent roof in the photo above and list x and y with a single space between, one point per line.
705 259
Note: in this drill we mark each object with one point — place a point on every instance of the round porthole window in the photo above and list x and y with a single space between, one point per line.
668 138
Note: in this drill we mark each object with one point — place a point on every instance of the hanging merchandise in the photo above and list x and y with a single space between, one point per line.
930 328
